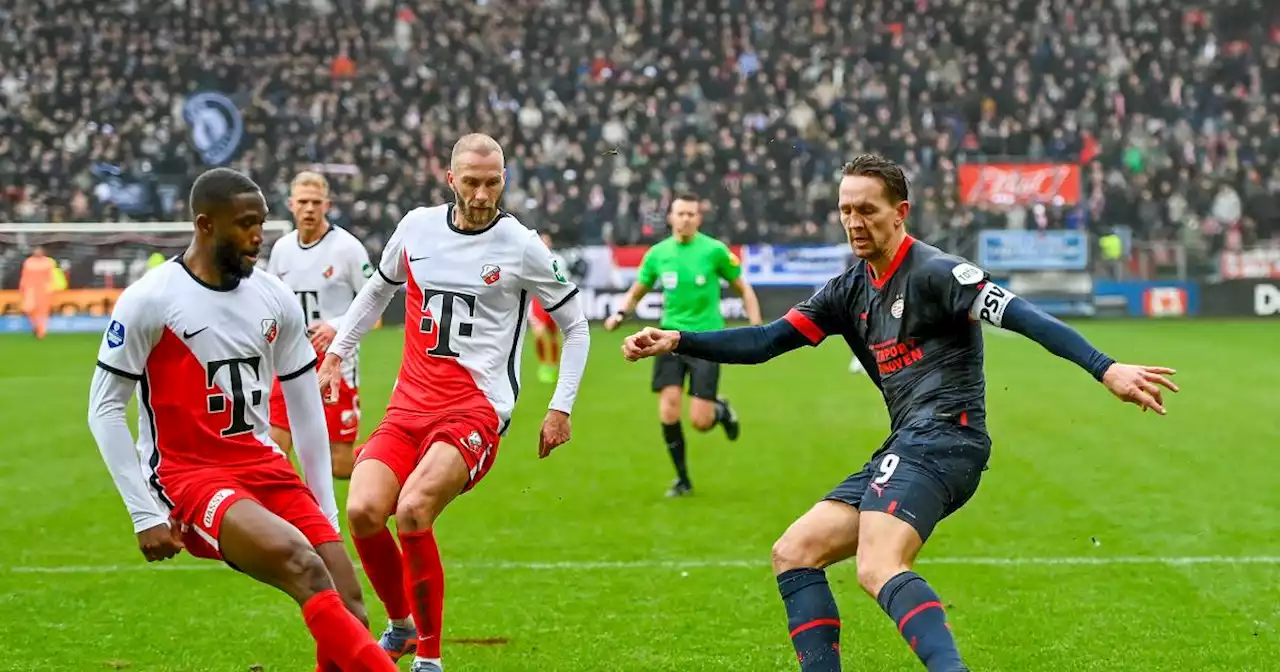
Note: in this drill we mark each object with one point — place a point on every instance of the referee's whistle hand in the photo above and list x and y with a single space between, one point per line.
649 342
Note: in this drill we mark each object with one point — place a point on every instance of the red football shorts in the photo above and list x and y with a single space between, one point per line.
540 315
402 439
342 416
201 498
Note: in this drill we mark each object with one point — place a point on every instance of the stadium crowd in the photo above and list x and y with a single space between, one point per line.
608 106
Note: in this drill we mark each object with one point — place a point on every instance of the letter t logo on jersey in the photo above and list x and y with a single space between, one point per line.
440 331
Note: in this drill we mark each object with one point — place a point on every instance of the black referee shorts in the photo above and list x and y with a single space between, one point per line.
704 377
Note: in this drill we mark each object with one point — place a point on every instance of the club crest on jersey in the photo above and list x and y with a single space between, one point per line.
474 439
328 273
115 335
490 274
270 330
896 309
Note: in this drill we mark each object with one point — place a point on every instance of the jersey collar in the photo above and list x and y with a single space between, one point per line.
318 240
454 227
893 266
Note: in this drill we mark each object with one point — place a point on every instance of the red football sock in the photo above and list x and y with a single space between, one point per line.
425 584
341 637
540 342
380 557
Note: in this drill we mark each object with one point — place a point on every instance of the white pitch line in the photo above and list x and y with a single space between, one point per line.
569 565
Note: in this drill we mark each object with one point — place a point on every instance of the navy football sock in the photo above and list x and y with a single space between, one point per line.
921 620
673 434
812 619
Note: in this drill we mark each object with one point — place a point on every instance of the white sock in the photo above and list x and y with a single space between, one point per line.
406 622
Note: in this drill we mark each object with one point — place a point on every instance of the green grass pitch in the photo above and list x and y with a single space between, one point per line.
1101 538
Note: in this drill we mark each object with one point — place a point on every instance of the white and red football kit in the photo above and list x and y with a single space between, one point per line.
324 276
202 361
466 301
537 312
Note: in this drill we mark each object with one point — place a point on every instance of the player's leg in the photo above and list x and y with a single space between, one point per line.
706 408
40 317
457 455
827 534
668 382
904 501
343 420
371 501
269 549
282 438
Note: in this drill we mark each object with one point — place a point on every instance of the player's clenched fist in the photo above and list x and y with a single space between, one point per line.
650 342
160 542
1139 384
330 377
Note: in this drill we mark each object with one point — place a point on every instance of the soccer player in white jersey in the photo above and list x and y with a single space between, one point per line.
325 266
469 271
200 338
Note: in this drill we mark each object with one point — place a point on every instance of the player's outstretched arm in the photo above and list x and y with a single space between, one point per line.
1140 385
108 396
364 312
311 437
629 303
739 345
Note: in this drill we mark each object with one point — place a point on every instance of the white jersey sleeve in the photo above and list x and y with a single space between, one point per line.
135 327
393 266
543 275
122 359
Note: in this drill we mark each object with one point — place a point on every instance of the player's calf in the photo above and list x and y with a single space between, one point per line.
341 454
825 535
887 547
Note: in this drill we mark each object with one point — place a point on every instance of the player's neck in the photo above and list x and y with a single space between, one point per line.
313 236
201 266
883 262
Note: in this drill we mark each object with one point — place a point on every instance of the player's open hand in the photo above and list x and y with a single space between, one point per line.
1140 384
649 342
330 378
160 542
322 335
555 432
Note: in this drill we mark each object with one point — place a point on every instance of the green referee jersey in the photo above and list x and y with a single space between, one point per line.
689 276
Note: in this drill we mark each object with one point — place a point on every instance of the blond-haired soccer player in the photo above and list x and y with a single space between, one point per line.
325 266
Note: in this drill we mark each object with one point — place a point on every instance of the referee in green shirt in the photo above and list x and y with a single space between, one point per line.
688 267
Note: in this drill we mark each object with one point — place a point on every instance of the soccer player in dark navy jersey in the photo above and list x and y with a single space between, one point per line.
912 315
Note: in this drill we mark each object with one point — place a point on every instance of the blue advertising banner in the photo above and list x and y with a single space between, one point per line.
58 324
1146 298
1033 250
794 264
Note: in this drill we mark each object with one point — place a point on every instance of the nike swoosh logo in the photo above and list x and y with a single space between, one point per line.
413 259
187 335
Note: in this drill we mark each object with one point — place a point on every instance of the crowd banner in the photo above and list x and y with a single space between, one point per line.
986 184
1250 264
1010 250
1240 298
1118 298
791 265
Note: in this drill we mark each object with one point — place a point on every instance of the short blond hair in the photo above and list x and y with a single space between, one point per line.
480 143
310 178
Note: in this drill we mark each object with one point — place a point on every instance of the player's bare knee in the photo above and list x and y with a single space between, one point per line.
876 568
302 571
340 455
416 512
703 419
795 550
366 518
669 408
